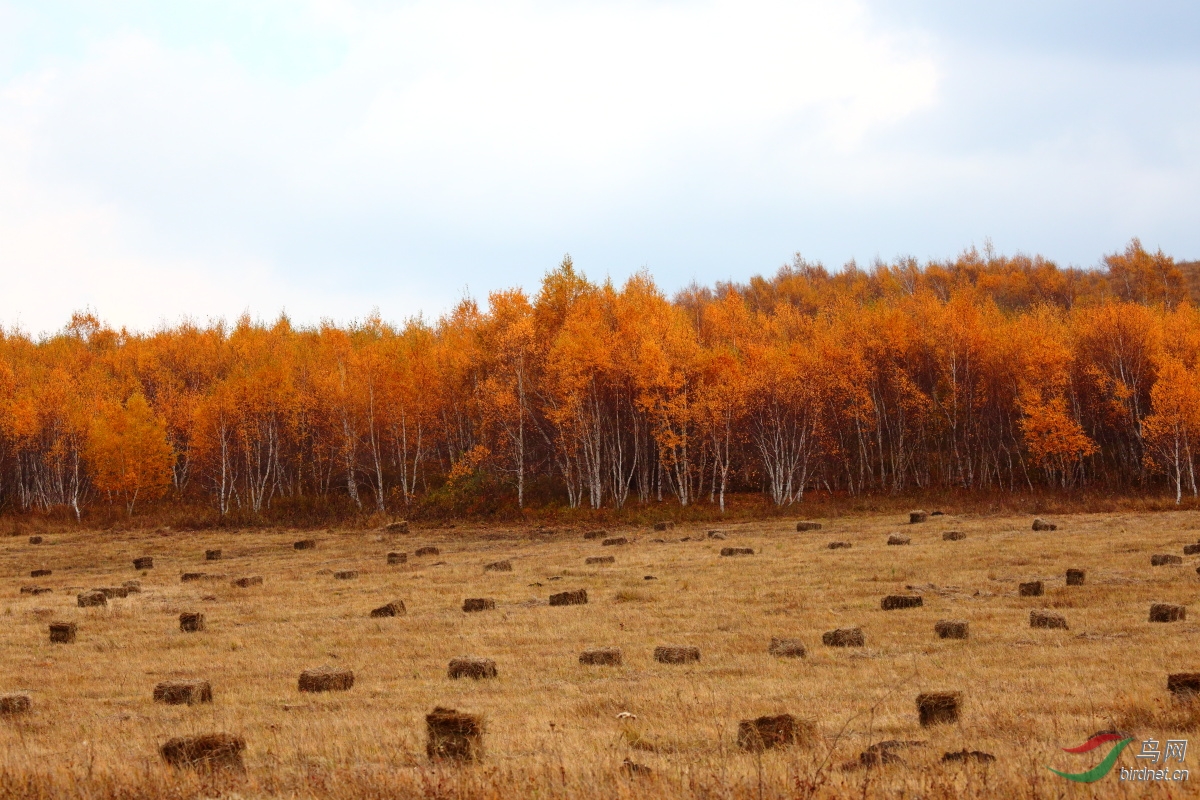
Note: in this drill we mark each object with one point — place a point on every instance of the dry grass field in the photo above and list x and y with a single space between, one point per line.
552 724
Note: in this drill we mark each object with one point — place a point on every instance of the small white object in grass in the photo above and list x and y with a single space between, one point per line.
626 715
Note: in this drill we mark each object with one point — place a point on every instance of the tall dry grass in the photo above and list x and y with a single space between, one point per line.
553 730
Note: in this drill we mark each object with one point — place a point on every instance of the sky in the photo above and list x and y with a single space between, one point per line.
327 159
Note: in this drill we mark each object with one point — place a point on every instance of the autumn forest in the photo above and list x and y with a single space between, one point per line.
985 373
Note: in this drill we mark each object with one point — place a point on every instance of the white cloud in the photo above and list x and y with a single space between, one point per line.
151 180
355 154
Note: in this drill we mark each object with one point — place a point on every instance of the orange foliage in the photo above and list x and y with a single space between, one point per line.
128 452
981 373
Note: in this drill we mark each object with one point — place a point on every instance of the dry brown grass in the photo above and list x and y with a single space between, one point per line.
552 725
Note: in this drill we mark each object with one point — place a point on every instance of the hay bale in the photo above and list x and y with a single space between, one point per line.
35 590
248 581
806 525
717 535
35 540
600 560
212 555
615 541
191 621
577 597
676 654
1043 525
393 609
1184 685
1041 618
633 769
110 592
897 601
1191 549
143 562
428 550
787 648
953 536
498 566
898 539
304 544
346 574
737 551
844 637
398 526
838 545
664 526
1031 589
397 558
187 577
1164 559
453 736
17 703
472 667
1075 577
884 753
39 573
766 733
472 604
1166 612
63 632
917 516
183 692
595 535
937 708
132 587
326 679
91 599
937 513
601 657
210 751
951 629
965 755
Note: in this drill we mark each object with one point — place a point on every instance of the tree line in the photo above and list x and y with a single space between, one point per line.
985 373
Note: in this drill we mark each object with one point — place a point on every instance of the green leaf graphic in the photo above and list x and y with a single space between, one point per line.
1100 770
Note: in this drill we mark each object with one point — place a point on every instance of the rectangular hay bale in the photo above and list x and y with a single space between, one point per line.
63 632
602 656
183 692
897 601
326 679
676 654
473 604
453 736
577 597
938 708
1041 618
1167 612
191 621
209 752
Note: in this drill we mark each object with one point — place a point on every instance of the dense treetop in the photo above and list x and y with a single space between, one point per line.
985 372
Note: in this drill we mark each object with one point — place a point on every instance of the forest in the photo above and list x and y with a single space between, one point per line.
983 373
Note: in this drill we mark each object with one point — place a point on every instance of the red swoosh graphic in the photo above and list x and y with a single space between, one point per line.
1093 743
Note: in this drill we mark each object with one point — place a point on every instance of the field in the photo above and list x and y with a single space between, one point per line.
552 724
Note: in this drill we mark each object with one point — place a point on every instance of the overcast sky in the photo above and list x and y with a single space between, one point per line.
162 159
